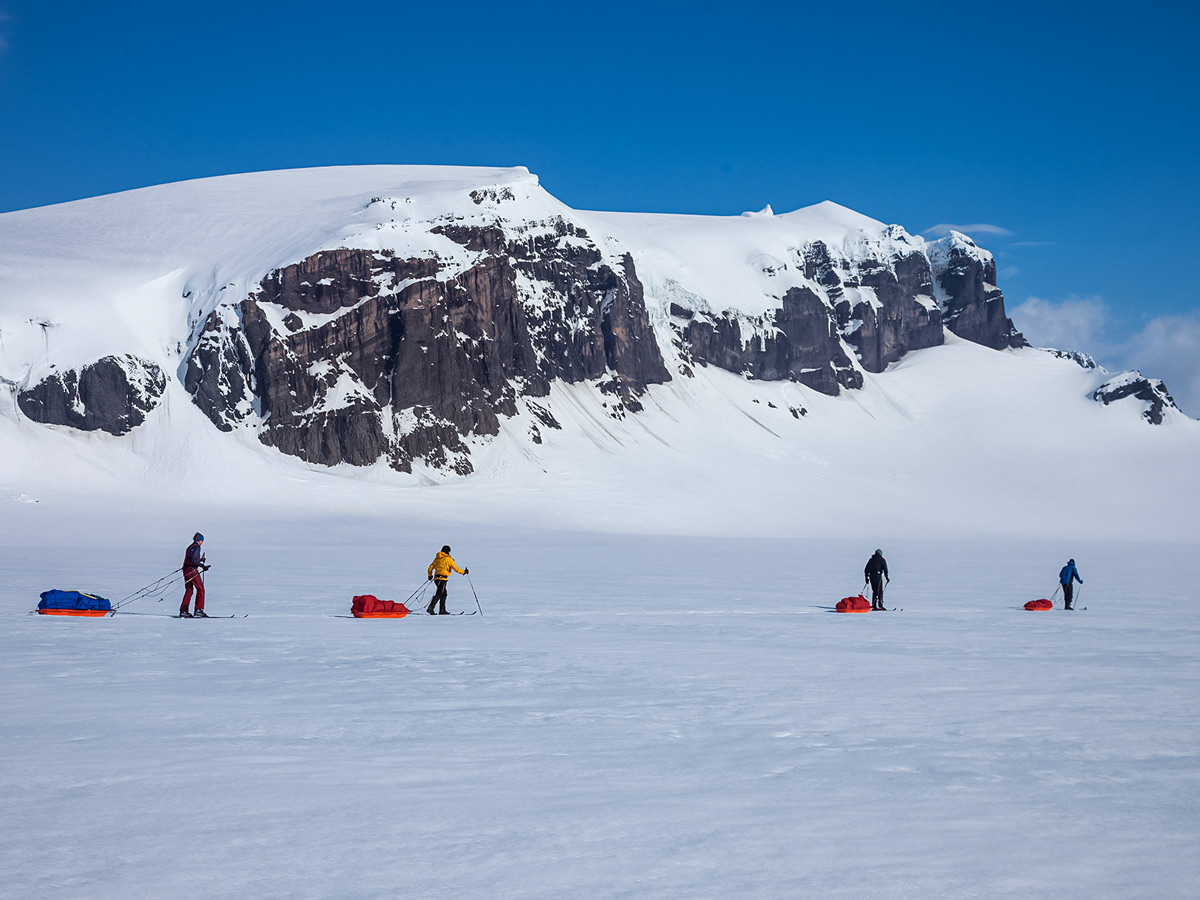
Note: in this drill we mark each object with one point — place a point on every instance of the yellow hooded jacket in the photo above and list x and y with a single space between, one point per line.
441 566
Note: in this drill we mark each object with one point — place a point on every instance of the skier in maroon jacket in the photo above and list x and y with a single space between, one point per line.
193 565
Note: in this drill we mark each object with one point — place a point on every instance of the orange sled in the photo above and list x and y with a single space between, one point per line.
1039 604
93 613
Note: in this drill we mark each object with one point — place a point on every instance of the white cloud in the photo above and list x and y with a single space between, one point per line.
980 228
1078 323
1167 347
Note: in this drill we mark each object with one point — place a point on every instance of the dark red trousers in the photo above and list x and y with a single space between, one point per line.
191 579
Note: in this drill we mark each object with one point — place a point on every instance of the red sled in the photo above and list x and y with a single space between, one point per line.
859 604
1039 604
369 606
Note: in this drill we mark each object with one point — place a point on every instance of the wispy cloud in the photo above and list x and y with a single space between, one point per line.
1169 348
1166 347
978 228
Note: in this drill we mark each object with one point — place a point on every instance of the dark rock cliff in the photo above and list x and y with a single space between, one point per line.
876 308
353 356
799 341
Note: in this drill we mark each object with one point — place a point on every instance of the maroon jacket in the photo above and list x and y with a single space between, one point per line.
193 559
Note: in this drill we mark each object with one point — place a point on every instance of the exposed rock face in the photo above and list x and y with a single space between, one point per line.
972 305
1152 392
355 356
113 394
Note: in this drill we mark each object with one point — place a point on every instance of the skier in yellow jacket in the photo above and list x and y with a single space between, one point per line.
439 574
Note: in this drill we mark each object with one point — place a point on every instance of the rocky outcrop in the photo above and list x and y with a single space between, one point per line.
353 356
1151 392
799 341
113 394
1083 360
972 305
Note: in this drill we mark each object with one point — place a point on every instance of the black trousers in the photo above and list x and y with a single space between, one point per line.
877 587
1068 593
439 597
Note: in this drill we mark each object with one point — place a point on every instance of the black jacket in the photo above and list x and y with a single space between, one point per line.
875 565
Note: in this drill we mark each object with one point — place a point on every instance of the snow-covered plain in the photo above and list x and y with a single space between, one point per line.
651 717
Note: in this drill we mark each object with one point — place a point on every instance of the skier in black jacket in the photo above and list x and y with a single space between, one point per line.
875 572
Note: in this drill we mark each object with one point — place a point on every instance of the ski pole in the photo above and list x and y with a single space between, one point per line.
472 584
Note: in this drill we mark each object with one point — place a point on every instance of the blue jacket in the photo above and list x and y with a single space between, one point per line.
1069 573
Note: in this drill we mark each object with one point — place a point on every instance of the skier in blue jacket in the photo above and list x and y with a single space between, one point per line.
1066 578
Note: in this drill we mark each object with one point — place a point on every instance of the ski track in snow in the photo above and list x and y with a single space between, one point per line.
647 717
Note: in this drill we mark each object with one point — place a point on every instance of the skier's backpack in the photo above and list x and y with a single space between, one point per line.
72 603
368 606
859 604
1039 604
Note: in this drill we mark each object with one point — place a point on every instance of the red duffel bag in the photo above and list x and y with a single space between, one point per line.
854 604
1039 604
368 606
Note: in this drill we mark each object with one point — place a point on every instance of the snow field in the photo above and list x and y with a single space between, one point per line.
645 717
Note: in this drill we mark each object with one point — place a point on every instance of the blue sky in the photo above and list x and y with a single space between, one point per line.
1064 135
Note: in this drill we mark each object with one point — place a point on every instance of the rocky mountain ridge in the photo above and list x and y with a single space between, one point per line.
409 333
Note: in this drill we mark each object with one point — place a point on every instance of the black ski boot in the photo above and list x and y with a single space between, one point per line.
200 614
184 614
